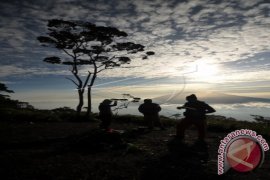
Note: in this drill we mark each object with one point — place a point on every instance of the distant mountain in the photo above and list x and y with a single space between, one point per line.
209 97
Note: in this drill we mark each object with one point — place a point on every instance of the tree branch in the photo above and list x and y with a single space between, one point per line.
79 80
94 74
101 70
68 53
106 61
75 73
72 81
87 79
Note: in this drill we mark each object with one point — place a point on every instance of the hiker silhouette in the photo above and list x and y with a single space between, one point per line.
105 113
195 114
151 111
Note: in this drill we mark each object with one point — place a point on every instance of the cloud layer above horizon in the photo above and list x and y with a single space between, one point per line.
231 34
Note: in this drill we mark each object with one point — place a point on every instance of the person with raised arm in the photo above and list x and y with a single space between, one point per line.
195 114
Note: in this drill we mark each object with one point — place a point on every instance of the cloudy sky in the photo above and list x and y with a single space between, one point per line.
202 45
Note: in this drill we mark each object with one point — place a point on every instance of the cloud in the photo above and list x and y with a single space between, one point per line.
243 105
248 4
8 70
13 70
256 62
47 99
231 35
180 32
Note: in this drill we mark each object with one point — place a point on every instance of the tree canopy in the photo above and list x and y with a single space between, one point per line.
89 43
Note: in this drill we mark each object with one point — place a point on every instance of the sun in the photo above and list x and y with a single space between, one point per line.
206 71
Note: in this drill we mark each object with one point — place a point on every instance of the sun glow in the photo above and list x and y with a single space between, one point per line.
206 71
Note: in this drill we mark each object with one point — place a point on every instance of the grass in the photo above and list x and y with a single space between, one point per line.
39 144
214 123
222 124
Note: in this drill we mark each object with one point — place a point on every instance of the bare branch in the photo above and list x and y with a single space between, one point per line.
72 81
128 67
101 70
101 65
79 80
94 74
68 53
87 79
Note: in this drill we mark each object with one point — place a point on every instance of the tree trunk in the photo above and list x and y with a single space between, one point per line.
80 105
89 108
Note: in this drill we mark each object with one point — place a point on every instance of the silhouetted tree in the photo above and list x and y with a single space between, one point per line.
3 88
124 102
5 101
98 47
261 119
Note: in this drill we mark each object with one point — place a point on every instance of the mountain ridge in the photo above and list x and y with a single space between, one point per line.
209 97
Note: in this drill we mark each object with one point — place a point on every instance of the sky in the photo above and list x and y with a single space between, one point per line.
199 45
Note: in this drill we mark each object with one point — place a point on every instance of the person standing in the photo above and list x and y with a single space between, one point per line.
151 111
105 113
195 114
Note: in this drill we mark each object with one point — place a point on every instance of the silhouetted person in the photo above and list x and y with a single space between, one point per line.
105 113
195 114
150 111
